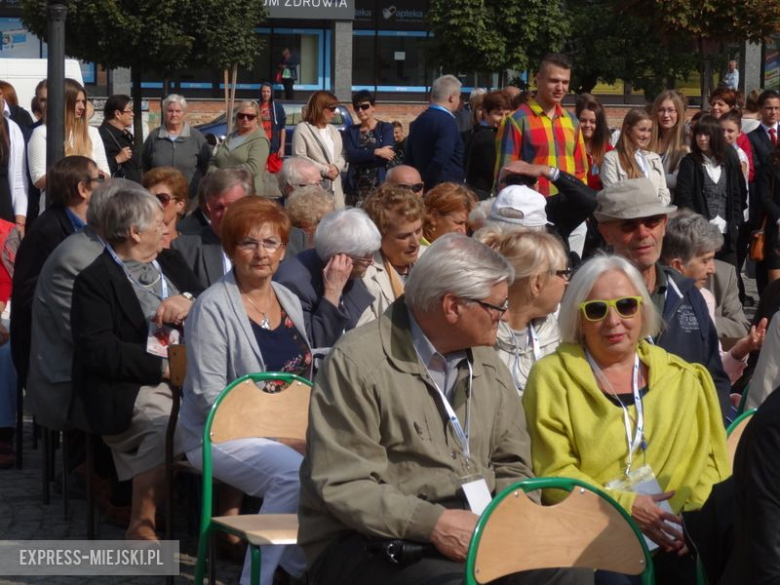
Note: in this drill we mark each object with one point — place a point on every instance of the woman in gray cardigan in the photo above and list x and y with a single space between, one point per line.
246 147
246 323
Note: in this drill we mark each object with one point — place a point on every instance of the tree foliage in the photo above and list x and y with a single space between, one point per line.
155 35
705 21
495 35
609 43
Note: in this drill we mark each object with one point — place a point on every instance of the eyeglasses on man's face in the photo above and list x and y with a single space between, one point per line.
503 308
416 188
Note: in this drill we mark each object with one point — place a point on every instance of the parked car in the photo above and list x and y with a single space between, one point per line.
341 120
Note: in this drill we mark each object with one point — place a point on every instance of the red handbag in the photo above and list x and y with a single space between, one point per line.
273 163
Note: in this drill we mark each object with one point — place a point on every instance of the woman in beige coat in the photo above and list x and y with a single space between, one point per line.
631 158
320 142
246 147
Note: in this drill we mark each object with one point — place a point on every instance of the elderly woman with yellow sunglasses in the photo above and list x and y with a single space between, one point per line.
610 408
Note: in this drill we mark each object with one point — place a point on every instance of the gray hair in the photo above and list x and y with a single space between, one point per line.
569 319
174 98
476 92
308 205
458 265
221 180
104 193
346 231
129 208
443 87
244 105
689 234
291 171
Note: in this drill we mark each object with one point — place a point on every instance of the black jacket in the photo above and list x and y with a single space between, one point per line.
755 557
110 361
114 140
51 228
481 160
689 193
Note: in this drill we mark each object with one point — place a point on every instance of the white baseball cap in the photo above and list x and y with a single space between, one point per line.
520 205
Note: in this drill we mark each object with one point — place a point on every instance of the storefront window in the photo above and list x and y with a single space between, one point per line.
363 62
401 60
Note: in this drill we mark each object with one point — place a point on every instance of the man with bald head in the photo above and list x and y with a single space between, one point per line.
406 176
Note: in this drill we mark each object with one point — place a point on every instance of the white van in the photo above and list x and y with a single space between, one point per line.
25 74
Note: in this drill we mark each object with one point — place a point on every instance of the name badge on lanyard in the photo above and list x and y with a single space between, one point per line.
474 486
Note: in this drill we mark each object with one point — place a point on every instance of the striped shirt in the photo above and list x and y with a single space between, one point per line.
530 135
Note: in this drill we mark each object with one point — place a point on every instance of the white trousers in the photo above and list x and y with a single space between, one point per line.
269 470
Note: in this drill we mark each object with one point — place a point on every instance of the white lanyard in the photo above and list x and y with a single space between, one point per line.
131 278
533 338
638 439
463 436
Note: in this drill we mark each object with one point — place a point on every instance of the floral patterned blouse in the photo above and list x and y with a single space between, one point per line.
284 350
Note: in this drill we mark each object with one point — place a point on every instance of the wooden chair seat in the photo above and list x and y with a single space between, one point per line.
734 433
261 529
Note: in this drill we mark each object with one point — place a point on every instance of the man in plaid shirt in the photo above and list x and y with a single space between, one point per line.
541 131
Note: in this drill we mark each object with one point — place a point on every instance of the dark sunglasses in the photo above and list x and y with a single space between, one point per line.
362 107
332 108
650 223
246 116
417 187
164 198
626 307
98 179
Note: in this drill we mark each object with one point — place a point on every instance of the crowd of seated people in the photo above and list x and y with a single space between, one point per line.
460 334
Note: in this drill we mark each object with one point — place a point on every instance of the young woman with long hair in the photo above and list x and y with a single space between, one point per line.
80 138
668 139
710 182
631 158
595 133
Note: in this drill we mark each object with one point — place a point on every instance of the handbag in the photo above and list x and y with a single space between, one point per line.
758 243
273 163
278 77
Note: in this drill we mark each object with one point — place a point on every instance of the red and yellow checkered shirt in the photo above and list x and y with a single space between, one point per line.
530 135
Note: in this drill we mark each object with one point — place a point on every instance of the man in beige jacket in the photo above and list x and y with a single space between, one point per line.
406 411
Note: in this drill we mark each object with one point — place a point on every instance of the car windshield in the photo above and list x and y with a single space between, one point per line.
294 115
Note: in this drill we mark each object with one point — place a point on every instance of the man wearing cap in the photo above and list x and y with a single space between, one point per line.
633 222
518 207
573 204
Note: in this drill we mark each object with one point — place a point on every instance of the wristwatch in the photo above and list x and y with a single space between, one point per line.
189 296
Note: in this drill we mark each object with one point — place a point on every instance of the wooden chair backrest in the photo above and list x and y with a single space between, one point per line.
735 434
583 530
177 362
249 412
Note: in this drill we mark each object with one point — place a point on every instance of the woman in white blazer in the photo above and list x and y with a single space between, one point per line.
631 159
320 142
80 137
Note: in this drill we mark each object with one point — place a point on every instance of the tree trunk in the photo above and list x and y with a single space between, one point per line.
705 73
138 120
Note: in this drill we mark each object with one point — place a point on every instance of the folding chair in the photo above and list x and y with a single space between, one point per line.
242 411
588 529
734 432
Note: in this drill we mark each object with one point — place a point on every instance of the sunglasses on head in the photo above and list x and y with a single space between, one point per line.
164 198
246 116
416 188
626 307
650 223
363 107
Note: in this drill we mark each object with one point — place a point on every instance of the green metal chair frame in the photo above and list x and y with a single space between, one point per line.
561 483
207 526
743 401
738 421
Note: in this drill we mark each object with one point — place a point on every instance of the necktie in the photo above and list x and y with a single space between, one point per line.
773 136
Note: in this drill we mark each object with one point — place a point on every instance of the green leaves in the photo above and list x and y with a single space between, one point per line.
494 35
162 35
